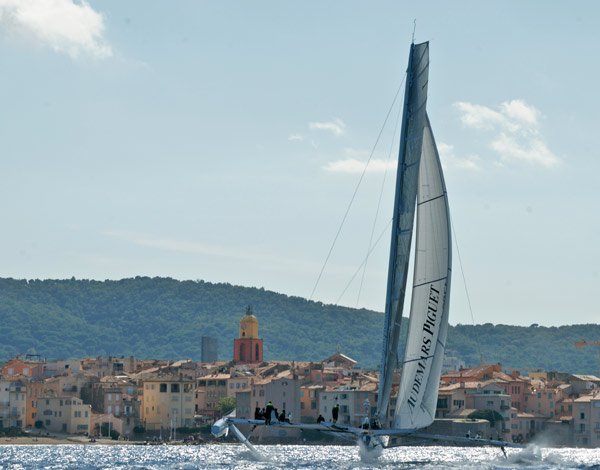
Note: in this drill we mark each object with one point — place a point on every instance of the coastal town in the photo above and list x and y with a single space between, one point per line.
126 398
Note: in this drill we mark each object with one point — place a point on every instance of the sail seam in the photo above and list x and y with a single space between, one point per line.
418 359
432 199
430 282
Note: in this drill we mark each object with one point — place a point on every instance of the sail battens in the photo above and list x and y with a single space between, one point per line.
418 359
430 200
430 282
409 157
420 187
428 324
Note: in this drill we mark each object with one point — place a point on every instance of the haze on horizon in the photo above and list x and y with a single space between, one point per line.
222 141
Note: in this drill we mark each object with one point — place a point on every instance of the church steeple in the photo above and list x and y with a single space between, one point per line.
249 325
248 348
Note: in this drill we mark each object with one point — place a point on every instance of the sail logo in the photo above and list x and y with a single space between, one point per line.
429 331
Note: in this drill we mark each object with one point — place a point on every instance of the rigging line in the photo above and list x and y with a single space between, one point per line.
364 260
464 282
356 189
392 144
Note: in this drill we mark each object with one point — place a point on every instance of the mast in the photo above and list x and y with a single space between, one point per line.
413 123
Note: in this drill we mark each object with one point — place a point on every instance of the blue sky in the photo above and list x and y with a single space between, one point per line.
223 141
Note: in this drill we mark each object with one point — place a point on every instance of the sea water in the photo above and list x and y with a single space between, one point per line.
125 457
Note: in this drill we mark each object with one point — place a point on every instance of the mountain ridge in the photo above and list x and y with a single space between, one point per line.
165 318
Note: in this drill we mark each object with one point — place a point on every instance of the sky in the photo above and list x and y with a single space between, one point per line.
224 141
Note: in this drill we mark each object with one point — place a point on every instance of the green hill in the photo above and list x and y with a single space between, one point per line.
165 318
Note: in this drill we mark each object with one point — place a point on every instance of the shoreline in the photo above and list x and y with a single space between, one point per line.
56 440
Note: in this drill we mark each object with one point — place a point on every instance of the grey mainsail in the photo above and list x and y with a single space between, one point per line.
413 124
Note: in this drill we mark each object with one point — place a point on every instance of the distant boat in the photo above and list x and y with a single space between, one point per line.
419 184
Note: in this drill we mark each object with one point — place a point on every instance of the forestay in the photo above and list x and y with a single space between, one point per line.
428 325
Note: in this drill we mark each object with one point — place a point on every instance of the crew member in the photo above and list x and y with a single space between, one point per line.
335 412
268 412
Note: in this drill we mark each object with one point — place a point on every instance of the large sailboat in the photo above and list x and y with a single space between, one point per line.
420 187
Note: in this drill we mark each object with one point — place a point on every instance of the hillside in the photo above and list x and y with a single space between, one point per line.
165 318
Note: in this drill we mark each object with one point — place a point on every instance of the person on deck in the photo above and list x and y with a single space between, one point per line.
257 414
282 416
268 412
320 419
335 412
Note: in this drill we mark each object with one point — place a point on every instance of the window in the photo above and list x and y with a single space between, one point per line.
174 388
163 388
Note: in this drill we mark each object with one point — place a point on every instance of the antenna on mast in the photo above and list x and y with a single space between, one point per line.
414 29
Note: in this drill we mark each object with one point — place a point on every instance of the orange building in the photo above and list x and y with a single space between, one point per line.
27 365
35 392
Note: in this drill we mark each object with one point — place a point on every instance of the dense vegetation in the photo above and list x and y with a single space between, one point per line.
165 318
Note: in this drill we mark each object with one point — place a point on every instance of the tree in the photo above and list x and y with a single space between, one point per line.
492 416
226 404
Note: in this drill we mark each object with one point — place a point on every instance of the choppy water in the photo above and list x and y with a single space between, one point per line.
284 457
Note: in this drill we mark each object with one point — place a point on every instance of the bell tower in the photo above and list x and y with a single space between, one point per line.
248 348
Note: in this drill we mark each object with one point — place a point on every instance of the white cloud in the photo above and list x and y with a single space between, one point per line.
66 26
336 126
479 117
296 137
354 161
532 150
518 110
516 128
